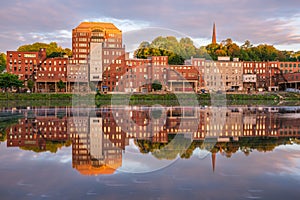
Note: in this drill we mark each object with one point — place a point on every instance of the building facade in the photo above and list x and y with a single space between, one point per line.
99 63
98 45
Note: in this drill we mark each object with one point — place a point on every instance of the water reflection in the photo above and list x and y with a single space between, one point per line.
121 138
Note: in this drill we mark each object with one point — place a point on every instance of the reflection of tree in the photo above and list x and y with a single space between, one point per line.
147 146
263 144
189 151
51 146
296 140
179 147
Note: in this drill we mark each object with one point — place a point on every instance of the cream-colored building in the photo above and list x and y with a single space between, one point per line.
223 75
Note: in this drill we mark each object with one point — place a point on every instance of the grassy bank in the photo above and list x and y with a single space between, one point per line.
60 99
34 96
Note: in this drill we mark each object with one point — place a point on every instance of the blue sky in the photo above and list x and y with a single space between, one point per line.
269 21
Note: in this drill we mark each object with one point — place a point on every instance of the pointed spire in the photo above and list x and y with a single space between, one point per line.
214 36
213 161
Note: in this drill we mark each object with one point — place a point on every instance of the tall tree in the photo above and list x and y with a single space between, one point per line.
2 62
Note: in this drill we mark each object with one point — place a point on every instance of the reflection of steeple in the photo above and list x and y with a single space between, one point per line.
213 161
214 36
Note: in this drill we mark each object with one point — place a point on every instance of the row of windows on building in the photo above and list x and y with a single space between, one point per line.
34 62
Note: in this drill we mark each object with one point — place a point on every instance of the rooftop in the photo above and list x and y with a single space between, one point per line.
89 26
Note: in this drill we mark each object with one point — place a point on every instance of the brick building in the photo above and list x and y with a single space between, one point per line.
99 62
98 45
35 66
289 80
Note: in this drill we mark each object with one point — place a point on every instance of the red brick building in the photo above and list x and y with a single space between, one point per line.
99 45
36 131
35 66
289 80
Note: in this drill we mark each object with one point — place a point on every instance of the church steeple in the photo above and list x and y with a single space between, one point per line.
214 36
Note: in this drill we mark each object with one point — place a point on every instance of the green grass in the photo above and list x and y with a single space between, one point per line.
60 99
34 96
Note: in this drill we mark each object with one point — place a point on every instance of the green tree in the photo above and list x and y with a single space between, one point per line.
52 49
144 44
30 84
168 46
266 52
220 52
211 50
187 48
61 85
233 50
202 53
2 62
156 85
8 80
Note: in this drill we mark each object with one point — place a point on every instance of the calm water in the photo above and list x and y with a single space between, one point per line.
150 153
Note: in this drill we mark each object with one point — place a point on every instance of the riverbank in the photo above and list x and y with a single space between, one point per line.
60 99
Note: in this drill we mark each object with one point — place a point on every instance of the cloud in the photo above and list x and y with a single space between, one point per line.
123 24
269 21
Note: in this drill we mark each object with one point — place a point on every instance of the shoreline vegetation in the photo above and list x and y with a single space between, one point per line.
185 99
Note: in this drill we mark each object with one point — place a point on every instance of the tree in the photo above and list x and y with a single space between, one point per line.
202 53
8 80
233 50
173 58
185 49
2 62
61 85
144 44
227 42
52 49
168 46
211 50
267 52
30 84
156 85
246 45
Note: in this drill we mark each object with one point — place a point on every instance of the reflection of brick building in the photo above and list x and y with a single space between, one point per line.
36 131
97 148
99 138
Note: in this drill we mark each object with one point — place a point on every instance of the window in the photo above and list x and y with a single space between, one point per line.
82 50
82 45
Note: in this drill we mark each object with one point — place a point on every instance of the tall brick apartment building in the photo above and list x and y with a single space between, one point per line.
98 45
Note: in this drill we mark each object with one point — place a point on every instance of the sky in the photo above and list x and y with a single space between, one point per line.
273 22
